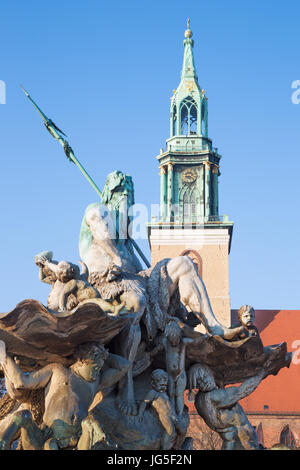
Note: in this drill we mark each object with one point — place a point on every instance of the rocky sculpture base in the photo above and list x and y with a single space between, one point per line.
108 428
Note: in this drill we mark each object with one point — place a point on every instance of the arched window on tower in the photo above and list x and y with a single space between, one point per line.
188 116
189 205
184 118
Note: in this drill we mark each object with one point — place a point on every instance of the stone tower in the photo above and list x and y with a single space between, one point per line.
189 222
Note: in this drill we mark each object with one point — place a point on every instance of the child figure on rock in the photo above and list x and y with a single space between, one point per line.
158 398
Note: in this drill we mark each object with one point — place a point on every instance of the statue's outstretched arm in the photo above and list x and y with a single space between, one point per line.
116 361
231 333
52 266
30 380
146 402
224 398
41 261
68 289
43 277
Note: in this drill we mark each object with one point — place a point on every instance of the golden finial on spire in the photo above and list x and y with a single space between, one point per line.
188 33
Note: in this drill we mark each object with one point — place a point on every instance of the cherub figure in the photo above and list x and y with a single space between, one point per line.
69 393
175 343
246 316
69 287
158 398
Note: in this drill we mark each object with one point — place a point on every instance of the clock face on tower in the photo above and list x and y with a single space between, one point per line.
189 175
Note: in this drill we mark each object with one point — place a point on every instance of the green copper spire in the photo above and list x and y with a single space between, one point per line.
189 165
188 68
189 116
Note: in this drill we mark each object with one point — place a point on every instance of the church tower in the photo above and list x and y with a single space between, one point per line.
189 222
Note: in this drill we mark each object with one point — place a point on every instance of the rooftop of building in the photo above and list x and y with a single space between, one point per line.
280 394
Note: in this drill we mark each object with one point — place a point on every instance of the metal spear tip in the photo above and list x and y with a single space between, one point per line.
27 94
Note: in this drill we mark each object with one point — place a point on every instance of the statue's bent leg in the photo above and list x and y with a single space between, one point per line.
171 391
247 437
231 440
179 393
166 442
130 339
169 433
181 428
10 432
193 293
21 422
91 434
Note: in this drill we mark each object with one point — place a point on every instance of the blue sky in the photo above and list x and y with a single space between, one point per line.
104 72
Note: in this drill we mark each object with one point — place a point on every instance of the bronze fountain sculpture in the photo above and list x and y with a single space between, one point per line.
105 365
